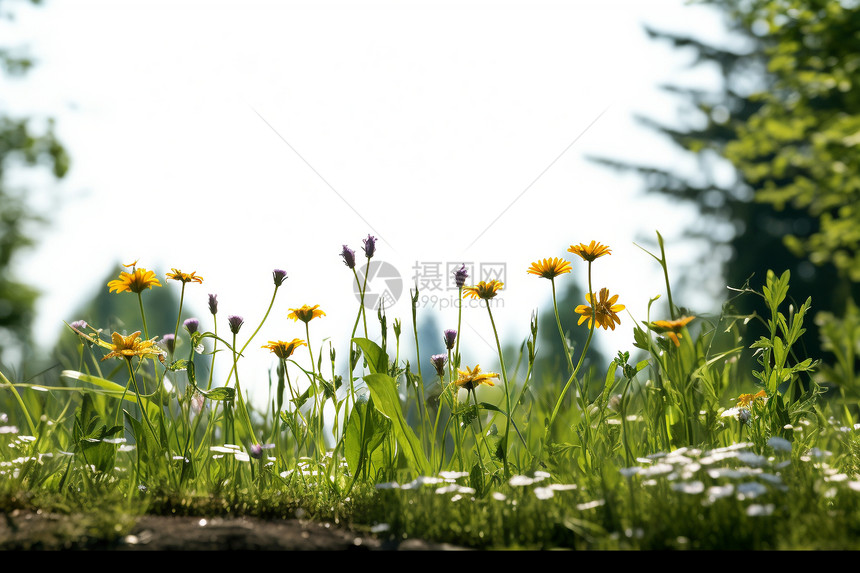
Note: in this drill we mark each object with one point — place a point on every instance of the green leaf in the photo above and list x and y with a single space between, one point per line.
114 390
376 358
365 432
221 393
384 394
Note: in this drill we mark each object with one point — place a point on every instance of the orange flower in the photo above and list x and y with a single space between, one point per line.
604 311
591 251
136 281
472 378
284 349
178 275
550 268
306 313
672 328
484 290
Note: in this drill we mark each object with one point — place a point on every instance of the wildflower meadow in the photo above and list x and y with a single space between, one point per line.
689 439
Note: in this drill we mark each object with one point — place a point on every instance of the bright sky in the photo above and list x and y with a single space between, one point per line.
232 138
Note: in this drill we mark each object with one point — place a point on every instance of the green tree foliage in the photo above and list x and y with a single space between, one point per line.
800 148
783 120
22 146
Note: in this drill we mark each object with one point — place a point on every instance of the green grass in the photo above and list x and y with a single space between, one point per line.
652 454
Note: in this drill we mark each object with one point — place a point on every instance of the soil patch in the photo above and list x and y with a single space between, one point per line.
29 530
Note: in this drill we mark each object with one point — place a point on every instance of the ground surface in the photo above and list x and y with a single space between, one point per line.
26 530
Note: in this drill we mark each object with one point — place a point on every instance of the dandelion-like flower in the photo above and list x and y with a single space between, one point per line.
484 290
306 313
450 337
672 328
604 311
472 378
438 361
746 400
279 277
213 304
369 246
348 257
130 346
178 275
136 281
235 322
460 276
191 325
550 268
283 349
591 251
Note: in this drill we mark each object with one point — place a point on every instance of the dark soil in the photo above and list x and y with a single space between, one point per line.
36 530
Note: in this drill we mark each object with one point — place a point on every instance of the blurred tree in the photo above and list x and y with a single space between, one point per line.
787 120
22 146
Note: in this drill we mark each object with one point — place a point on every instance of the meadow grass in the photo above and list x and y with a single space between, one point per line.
703 443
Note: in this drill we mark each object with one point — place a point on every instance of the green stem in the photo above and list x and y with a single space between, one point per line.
241 401
143 316
507 390
560 331
20 403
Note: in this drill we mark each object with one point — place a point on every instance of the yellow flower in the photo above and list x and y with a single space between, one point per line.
484 290
591 251
672 328
745 400
550 268
471 379
136 281
604 311
130 346
306 313
178 275
284 349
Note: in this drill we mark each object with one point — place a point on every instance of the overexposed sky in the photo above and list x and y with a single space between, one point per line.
232 138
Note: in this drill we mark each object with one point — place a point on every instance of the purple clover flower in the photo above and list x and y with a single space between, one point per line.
438 361
256 450
460 276
450 338
80 324
279 276
348 257
191 325
369 246
236 323
213 304
169 341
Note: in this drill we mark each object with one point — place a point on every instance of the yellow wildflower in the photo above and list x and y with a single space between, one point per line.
130 346
550 268
484 290
136 281
472 378
604 311
284 349
746 400
591 251
672 328
306 313
178 275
